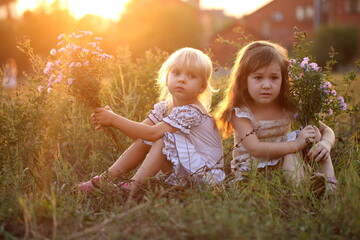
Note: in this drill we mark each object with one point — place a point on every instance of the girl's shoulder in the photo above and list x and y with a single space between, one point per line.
159 111
186 117
243 112
191 110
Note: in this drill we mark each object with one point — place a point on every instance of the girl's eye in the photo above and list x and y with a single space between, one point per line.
275 78
175 73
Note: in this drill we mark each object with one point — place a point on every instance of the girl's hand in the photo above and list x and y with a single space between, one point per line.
306 136
102 117
317 134
320 150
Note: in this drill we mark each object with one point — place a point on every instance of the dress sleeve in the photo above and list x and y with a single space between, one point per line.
243 112
185 117
157 114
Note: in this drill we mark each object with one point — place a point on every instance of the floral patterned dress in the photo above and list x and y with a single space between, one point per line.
267 131
195 150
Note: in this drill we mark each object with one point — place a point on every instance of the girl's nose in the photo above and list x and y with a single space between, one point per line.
266 84
180 80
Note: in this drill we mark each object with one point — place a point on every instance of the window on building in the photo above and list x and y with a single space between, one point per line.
278 16
352 6
265 29
300 13
309 12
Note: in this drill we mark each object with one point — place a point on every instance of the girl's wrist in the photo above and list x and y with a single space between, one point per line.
327 142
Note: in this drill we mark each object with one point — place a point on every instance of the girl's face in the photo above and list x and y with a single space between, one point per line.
184 85
264 84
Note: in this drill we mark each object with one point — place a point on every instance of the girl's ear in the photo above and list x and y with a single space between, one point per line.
202 88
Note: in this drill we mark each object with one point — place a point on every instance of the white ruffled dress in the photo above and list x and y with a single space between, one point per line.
267 131
195 150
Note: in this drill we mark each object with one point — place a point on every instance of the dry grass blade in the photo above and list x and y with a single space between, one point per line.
100 226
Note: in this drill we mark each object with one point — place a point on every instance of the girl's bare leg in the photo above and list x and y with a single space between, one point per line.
153 163
130 159
293 168
327 168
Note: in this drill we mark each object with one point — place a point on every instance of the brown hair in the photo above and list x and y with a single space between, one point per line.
253 56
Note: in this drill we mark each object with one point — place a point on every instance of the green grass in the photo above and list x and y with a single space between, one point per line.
47 146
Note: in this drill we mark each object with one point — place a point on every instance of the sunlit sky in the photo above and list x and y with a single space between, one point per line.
112 9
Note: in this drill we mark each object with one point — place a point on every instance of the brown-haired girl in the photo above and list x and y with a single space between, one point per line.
257 107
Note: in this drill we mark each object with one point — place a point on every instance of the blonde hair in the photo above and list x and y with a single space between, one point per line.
253 56
188 58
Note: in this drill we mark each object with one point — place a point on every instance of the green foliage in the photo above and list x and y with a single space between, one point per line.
344 39
133 89
312 89
47 146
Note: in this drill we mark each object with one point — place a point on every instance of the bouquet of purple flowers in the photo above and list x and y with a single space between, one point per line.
312 92
79 63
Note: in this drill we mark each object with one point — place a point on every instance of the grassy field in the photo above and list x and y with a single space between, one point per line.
47 146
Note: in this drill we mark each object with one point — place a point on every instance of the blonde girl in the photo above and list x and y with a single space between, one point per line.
257 108
179 138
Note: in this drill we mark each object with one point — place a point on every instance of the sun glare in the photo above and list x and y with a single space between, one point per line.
110 9
234 8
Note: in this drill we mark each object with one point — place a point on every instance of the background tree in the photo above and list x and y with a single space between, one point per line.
166 24
344 39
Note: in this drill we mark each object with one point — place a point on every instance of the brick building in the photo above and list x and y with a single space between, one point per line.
276 21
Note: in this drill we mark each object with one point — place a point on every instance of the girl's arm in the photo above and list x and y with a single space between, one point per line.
131 128
321 150
270 150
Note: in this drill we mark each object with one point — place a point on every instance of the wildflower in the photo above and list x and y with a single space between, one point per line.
314 66
49 90
86 63
313 96
40 88
343 106
89 33
98 38
61 36
296 115
70 81
72 64
85 50
93 44
46 70
342 103
49 65
305 62
59 78
53 52
51 78
78 64
60 43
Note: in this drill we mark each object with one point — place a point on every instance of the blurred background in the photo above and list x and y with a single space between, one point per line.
172 24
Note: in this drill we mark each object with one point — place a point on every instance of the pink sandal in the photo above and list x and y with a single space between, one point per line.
89 186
